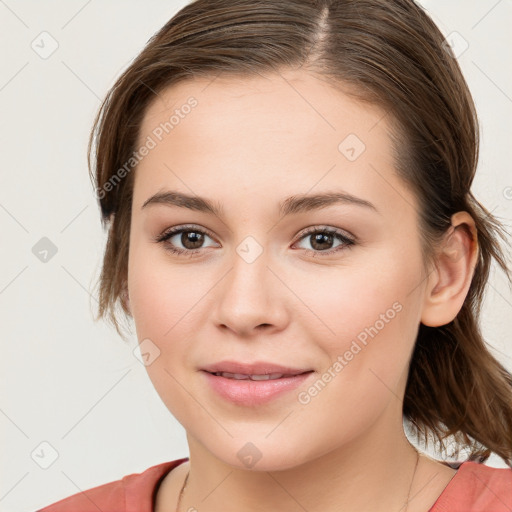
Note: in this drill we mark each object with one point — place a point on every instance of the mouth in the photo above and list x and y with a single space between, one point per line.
259 370
254 389
268 376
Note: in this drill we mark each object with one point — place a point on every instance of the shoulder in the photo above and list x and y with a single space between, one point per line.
136 489
477 488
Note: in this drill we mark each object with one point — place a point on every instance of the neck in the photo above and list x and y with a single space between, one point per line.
373 472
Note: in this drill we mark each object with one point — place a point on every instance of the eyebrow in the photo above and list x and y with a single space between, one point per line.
291 205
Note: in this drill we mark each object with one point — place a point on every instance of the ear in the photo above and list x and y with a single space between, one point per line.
449 282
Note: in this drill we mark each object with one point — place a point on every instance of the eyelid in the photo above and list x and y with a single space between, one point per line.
347 239
306 231
183 227
325 228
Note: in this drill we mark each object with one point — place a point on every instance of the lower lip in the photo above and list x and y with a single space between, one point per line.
253 392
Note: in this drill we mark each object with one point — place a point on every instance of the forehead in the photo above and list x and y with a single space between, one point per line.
294 102
290 130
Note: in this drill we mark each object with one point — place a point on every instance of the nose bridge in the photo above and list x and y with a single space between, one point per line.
249 272
248 296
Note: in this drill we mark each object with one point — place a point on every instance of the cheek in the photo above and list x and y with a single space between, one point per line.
162 304
345 302
365 317
366 360
162 295
166 303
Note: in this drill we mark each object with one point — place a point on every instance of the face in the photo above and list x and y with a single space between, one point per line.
332 287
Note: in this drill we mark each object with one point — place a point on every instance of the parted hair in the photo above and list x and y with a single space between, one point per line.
385 52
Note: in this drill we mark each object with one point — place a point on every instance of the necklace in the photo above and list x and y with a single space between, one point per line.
184 486
412 480
181 492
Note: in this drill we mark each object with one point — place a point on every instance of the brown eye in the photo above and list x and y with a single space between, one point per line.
190 238
321 240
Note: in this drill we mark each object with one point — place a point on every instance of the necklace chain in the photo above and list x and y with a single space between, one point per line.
412 480
406 503
182 491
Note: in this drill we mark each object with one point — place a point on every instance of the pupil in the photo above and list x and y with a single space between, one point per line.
321 238
191 237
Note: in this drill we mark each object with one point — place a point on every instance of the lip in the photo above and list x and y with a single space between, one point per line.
251 393
256 368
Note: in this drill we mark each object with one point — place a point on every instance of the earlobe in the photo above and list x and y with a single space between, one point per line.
449 282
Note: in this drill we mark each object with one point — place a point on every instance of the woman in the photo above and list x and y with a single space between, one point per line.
293 233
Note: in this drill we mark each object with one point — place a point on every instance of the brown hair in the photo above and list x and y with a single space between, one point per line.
391 54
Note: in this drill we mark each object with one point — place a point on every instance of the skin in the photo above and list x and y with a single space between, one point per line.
247 145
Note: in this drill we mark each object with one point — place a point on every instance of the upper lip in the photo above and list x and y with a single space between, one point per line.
256 368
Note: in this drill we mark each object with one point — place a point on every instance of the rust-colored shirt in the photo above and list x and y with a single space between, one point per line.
474 488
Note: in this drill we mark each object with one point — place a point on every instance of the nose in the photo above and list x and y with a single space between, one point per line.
251 299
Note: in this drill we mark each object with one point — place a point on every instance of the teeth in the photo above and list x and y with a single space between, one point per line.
267 377
241 376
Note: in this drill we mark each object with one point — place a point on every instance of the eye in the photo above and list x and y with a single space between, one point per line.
321 240
190 237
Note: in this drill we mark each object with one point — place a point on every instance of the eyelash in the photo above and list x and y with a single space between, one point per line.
166 235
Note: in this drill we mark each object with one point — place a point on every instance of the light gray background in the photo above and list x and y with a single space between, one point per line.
69 381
